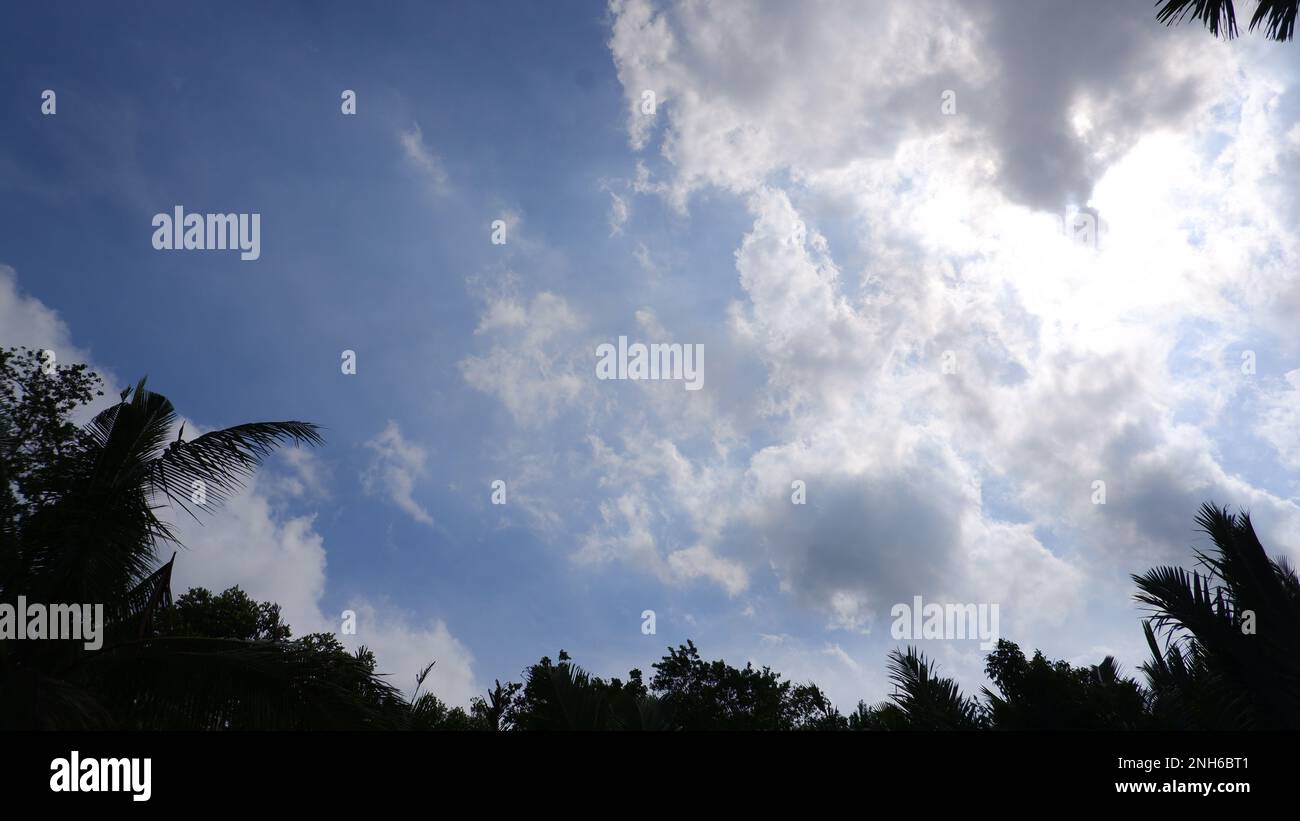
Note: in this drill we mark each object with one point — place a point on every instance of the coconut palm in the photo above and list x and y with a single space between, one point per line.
921 700
86 530
1231 656
1275 17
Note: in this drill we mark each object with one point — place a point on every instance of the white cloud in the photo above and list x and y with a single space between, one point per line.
536 364
838 653
252 542
257 542
618 213
750 89
642 255
25 321
307 476
1072 363
249 542
423 158
1280 422
395 467
403 646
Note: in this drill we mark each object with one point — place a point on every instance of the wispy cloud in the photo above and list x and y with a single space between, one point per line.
618 213
394 469
423 158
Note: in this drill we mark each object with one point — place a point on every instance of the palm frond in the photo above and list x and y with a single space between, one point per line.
128 436
1219 16
1213 667
138 612
1277 18
223 459
929 701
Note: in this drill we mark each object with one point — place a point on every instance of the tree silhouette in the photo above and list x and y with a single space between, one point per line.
80 527
686 693
716 696
1276 17
562 696
230 615
1232 633
921 700
1038 694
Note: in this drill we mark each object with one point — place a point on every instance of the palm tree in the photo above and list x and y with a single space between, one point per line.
921 700
1232 633
1276 17
93 536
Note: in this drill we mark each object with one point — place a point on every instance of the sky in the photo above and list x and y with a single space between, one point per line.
923 375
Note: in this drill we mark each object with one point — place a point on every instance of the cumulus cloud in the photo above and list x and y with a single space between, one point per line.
25 321
264 540
1045 94
1280 422
951 399
256 542
404 645
535 363
909 331
251 542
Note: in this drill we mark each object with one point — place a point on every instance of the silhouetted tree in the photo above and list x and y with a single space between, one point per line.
80 526
562 696
921 700
428 712
1275 17
492 711
230 615
1231 657
714 695
1038 694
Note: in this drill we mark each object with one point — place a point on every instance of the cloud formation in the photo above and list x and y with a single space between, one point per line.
423 158
395 466
916 337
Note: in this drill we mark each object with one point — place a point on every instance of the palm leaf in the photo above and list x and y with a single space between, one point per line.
223 459
927 701
1217 15
1277 18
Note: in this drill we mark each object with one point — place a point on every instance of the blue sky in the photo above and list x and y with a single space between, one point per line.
798 203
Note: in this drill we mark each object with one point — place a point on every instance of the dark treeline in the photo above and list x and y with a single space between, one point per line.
78 524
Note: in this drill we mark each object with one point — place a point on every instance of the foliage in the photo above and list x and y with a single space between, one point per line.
1276 17
921 700
1231 656
79 525
231 615
1038 694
